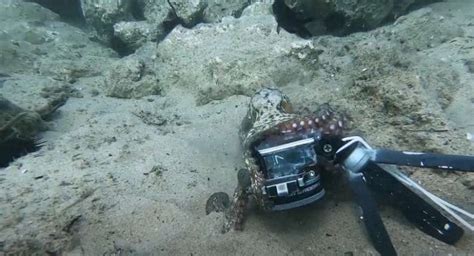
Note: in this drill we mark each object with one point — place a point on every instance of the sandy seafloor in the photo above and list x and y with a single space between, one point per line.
93 189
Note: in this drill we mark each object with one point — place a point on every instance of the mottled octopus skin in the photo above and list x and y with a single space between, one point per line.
270 114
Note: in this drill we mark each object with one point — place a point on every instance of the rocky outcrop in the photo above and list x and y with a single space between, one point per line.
217 9
338 17
213 62
135 33
70 10
130 78
126 25
103 14
33 39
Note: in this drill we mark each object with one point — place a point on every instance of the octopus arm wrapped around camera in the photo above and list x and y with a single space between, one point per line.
269 124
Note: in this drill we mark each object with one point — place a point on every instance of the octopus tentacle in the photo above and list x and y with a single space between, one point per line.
236 214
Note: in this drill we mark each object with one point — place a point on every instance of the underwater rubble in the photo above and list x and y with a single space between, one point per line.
156 91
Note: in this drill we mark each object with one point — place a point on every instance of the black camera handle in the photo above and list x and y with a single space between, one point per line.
425 160
406 158
360 161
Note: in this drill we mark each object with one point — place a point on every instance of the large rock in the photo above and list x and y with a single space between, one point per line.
67 9
417 32
135 22
103 14
155 11
135 33
33 39
258 8
234 57
130 78
341 17
217 9
393 80
160 14
188 12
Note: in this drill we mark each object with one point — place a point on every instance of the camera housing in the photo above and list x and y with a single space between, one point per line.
291 169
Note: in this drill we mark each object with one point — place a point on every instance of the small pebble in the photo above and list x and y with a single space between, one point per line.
468 181
470 65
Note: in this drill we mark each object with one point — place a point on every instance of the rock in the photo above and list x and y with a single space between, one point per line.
417 32
160 14
164 15
210 61
30 32
469 65
129 78
401 7
155 11
361 15
135 22
134 33
67 9
217 9
257 8
19 11
103 14
398 80
341 17
188 12
468 181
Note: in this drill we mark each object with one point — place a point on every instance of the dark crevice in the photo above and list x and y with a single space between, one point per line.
173 14
137 11
169 24
171 21
174 20
14 148
289 20
335 23
68 10
120 47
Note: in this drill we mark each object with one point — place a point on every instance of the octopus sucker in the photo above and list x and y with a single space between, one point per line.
306 124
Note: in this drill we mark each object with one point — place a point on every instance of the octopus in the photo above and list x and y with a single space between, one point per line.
270 119
19 127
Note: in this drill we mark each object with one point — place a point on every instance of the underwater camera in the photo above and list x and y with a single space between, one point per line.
292 171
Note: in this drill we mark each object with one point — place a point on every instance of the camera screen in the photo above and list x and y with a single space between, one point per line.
290 161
